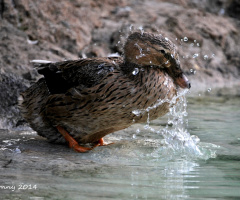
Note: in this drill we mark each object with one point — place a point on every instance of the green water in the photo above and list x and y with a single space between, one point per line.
141 164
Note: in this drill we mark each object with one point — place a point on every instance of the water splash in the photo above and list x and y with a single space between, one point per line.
195 55
141 29
135 71
140 51
193 71
131 28
177 141
167 62
149 144
205 57
137 112
176 136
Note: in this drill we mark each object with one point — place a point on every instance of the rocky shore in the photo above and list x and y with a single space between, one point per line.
206 32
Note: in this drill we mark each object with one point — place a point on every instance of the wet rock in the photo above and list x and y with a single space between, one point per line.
10 86
233 9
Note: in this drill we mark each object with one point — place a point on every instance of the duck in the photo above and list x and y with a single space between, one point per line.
80 101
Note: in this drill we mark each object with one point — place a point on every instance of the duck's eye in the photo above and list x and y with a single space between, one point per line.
162 51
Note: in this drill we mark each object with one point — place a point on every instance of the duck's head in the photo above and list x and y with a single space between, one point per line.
146 49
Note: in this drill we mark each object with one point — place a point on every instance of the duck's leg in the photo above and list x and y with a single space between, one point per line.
102 143
72 142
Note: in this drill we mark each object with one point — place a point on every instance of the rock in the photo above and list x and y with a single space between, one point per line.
10 86
206 33
233 9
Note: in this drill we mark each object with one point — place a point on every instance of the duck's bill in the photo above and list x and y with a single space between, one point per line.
183 82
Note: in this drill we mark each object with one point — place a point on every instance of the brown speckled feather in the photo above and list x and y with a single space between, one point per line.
91 98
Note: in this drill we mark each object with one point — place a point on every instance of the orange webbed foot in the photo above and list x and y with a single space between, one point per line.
72 142
102 143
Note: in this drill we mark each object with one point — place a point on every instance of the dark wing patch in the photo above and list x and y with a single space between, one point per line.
53 77
62 76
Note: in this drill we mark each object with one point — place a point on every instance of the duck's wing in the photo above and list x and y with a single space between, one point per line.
62 76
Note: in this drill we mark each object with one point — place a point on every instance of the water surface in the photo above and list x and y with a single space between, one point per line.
160 160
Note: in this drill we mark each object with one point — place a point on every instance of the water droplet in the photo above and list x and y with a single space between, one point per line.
209 89
195 55
131 28
146 126
195 41
135 71
138 131
141 29
193 71
119 42
166 39
192 44
17 150
198 44
185 39
195 139
134 136
150 62
140 50
221 11
136 112
213 55
101 66
165 82
166 62
176 39
205 57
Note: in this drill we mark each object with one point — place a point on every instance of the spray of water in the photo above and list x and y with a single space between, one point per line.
177 141
176 135
162 144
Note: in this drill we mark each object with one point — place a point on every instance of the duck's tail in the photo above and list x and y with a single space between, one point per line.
32 104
